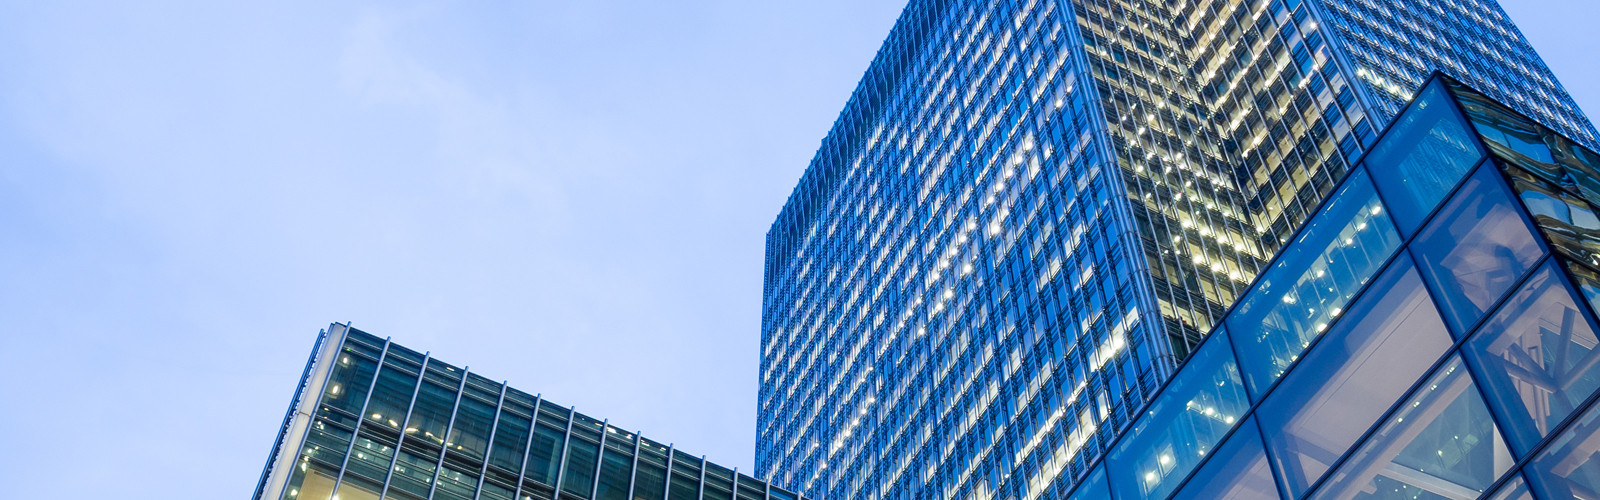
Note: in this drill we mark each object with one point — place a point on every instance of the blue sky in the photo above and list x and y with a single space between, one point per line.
572 196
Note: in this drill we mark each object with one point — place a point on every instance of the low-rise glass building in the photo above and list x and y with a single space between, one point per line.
1430 333
372 419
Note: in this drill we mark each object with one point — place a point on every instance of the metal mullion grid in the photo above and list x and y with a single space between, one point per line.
633 474
361 420
533 423
455 411
494 426
666 489
561 461
599 457
388 475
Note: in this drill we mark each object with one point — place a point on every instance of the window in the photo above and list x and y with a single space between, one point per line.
1181 425
1536 357
1440 443
1093 487
1567 468
1312 281
1345 385
1238 470
1422 156
1477 248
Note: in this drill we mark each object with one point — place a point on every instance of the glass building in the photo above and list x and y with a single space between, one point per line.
1031 212
372 419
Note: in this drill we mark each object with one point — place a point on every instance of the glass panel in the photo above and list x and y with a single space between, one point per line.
310 482
1314 277
616 469
1537 358
578 475
431 413
1567 468
685 478
327 443
371 456
1180 426
719 483
751 489
455 484
412 473
649 481
1441 443
355 488
347 385
1568 222
1515 489
1367 363
1094 487
469 433
510 435
1476 249
1238 470
392 396
1422 156
544 455
1528 144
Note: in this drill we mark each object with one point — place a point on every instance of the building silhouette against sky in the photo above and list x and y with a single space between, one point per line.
372 419
1031 211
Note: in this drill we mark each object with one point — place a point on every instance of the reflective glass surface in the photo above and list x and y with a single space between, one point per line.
1312 282
1567 221
1514 489
1567 468
1364 365
1237 470
1441 444
1423 155
1093 487
1181 425
1476 249
1537 357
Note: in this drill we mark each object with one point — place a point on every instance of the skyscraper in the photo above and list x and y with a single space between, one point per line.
372 419
1030 212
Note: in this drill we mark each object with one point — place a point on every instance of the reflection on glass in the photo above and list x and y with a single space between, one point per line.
1312 281
1537 358
1476 249
1567 468
1441 443
1092 487
1180 426
455 484
578 476
1529 145
1422 156
412 474
1238 470
1567 221
1366 363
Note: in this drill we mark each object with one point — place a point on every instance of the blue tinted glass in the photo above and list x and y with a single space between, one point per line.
1441 443
1536 358
1515 489
1568 222
1568 466
1366 363
1312 281
1238 470
1424 154
1093 487
1476 249
1180 426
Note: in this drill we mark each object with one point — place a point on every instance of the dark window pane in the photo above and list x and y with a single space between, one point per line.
615 470
431 413
1312 281
1476 249
1367 362
1422 157
1567 468
1238 470
578 475
544 454
685 478
1441 443
1180 426
510 436
413 473
371 456
719 483
650 481
1529 145
1537 358
455 484
392 396
347 385
469 433
1568 222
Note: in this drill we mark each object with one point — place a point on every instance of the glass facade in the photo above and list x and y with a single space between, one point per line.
1031 212
373 420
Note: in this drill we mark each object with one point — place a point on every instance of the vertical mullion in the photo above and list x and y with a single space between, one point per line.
494 426
438 466
599 458
388 475
561 461
702 494
666 489
527 446
633 474
361 420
